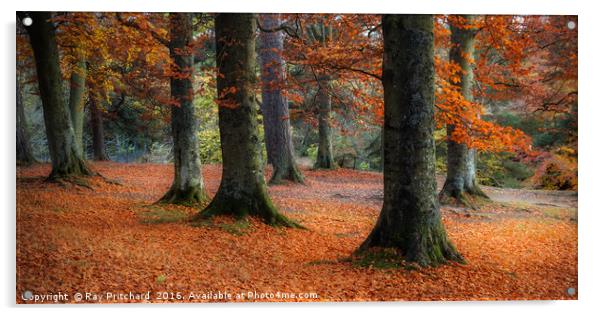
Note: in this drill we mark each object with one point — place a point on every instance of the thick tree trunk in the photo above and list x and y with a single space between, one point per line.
461 160
64 150
325 158
77 93
24 151
410 220
188 186
242 190
276 120
98 131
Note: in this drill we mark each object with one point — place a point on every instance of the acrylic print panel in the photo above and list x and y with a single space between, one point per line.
238 157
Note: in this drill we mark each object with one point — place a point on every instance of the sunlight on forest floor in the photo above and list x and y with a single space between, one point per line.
112 239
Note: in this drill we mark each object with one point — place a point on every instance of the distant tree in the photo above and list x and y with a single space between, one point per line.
98 134
242 190
274 105
187 186
65 153
77 96
410 220
24 150
461 177
321 33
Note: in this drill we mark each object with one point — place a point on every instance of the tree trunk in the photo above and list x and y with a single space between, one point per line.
187 186
325 159
461 160
24 151
410 220
242 190
77 93
276 120
65 153
98 131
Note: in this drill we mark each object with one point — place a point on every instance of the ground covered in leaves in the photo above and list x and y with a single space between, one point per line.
112 239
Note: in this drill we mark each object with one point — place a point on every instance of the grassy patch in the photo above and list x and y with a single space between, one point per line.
161 279
321 262
237 228
378 258
161 215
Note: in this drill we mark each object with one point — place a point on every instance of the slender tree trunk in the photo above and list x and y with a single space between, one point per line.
242 190
410 220
188 186
276 118
461 161
77 94
64 150
98 131
24 151
325 158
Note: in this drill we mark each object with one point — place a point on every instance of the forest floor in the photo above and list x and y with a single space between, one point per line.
113 239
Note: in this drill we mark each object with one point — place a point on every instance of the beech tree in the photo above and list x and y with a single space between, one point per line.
274 105
322 33
242 190
77 95
65 153
461 160
24 150
98 133
187 186
410 220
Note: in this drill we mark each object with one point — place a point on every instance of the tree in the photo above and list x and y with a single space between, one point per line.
274 105
461 160
187 186
77 95
321 33
410 220
98 134
65 153
24 151
242 190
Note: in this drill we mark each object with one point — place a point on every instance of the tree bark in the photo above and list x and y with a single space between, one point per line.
276 120
325 158
65 153
410 220
461 177
98 132
24 150
187 186
77 93
242 190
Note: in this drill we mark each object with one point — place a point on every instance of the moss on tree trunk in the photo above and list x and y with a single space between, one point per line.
410 220
242 191
187 187
461 181
325 158
65 153
276 120
77 93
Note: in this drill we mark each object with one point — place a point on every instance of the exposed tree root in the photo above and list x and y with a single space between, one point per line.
259 206
193 197
471 198
291 174
420 241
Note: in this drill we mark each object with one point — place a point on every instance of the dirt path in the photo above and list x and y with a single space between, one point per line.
367 189
564 199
